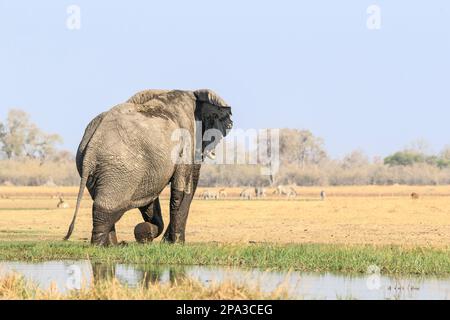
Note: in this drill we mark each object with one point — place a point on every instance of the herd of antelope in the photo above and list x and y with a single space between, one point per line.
250 193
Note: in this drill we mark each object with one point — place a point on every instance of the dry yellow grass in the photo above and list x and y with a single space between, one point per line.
309 192
14 287
349 215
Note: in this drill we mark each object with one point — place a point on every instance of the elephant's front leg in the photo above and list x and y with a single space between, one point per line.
180 202
179 207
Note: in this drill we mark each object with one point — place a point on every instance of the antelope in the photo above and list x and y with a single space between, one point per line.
62 204
208 195
260 192
246 194
223 193
289 192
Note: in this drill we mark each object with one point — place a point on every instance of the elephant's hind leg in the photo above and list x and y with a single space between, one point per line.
152 214
112 236
104 230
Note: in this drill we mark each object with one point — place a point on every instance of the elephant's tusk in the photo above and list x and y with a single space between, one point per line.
211 154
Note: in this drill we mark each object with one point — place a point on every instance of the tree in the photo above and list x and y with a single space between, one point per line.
300 147
404 158
443 160
445 154
2 133
355 159
20 138
419 146
63 156
14 132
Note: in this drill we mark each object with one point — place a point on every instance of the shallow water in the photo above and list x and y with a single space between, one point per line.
67 275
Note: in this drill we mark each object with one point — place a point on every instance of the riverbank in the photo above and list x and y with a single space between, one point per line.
392 260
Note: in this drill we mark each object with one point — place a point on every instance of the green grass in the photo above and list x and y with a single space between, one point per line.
301 257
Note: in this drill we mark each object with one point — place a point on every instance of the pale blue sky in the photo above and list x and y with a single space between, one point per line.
298 64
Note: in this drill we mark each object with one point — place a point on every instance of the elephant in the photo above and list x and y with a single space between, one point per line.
130 153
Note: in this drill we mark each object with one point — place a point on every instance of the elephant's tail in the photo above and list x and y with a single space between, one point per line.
83 182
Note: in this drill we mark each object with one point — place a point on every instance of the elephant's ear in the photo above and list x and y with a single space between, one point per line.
209 96
214 113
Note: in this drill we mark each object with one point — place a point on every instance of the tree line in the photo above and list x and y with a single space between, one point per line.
30 156
305 162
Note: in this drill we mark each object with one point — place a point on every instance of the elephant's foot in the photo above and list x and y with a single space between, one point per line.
145 232
173 237
100 239
104 229
104 238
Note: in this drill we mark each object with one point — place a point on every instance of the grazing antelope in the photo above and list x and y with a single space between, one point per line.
223 194
208 195
62 204
260 192
415 196
246 194
289 192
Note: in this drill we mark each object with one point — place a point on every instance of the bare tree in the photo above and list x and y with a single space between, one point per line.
355 159
301 147
20 138
14 133
445 154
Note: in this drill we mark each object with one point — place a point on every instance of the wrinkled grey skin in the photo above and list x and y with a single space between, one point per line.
125 159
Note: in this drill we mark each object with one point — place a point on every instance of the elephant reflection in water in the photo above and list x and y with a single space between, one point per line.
177 274
102 272
145 275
